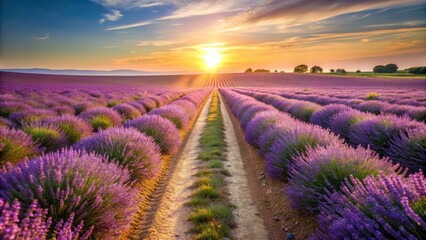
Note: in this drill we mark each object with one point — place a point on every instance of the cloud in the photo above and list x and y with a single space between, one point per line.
157 43
113 16
128 4
43 37
132 25
290 13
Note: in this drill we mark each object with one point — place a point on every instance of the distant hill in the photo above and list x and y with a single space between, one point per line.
118 72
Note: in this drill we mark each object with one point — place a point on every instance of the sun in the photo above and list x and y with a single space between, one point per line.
212 58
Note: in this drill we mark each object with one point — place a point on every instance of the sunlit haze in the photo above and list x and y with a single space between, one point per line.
179 36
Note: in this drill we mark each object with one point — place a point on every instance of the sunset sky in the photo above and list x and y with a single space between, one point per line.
174 35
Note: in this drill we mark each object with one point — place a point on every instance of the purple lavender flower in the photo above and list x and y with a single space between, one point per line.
303 110
254 109
288 146
49 136
174 113
101 118
324 169
127 147
71 183
409 150
187 106
147 103
343 121
323 116
127 111
378 131
162 130
8 107
4 122
73 127
35 223
15 145
138 106
260 123
373 106
31 116
382 207
63 109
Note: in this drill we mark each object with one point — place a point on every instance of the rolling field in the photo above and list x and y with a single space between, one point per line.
213 156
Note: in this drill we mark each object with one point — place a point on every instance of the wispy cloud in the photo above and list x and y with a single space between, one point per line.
157 43
128 4
114 15
42 37
303 11
132 25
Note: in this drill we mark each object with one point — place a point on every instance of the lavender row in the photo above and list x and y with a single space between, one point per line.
317 165
49 132
399 138
91 189
372 106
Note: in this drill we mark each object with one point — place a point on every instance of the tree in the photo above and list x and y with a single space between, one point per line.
261 70
332 70
391 68
316 69
358 71
340 70
417 70
249 70
379 69
275 71
301 68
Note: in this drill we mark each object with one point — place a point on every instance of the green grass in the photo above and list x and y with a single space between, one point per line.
211 212
380 75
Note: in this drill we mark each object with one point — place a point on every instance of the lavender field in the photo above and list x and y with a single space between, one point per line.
85 159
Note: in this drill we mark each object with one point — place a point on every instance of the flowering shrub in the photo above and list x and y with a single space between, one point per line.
72 183
259 124
382 207
127 111
342 122
138 106
15 145
4 122
187 106
101 118
324 169
377 132
64 109
35 224
409 150
48 136
174 113
31 116
8 107
373 106
162 130
323 116
288 146
148 103
127 147
248 115
303 110
73 127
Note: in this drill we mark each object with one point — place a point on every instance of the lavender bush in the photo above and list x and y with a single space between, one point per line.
409 150
31 116
138 106
101 118
303 110
15 145
259 124
162 130
187 106
35 224
174 113
148 103
49 136
382 207
127 147
73 127
377 132
127 111
8 107
323 116
288 146
324 169
248 115
342 122
71 183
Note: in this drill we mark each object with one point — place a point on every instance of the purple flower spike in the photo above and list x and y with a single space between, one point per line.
323 116
174 113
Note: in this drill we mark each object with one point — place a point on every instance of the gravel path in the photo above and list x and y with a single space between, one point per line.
249 223
170 221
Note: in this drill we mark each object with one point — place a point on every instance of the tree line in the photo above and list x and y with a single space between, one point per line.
388 68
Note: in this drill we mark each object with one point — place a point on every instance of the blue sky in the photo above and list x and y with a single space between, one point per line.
172 35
